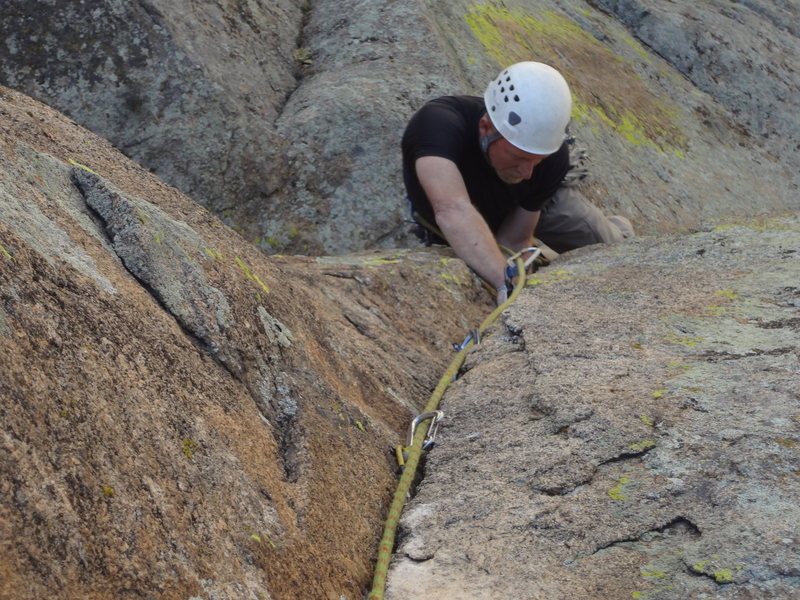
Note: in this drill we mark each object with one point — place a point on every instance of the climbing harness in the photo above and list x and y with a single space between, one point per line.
420 435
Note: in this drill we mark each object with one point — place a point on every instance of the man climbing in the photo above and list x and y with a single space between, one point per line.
490 172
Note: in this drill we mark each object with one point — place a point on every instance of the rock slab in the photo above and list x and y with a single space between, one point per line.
631 430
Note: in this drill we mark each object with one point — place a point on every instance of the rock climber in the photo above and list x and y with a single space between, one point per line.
491 172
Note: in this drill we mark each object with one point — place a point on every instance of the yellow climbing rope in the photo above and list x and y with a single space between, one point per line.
415 449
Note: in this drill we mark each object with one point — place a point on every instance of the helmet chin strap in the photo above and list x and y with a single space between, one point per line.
486 141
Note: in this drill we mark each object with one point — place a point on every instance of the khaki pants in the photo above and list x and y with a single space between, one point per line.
568 221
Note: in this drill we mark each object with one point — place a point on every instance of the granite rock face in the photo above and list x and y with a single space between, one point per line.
182 416
285 118
630 430
743 54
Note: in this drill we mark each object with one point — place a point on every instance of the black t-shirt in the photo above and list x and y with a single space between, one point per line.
448 127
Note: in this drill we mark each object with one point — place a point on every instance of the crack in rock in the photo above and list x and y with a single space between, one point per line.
163 255
678 526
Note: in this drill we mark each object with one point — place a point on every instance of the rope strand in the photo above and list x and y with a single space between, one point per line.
415 450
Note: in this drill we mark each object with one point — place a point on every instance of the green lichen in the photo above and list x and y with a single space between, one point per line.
659 393
700 566
452 278
615 493
214 254
361 427
549 277
637 47
723 576
597 73
730 294
656 574
260 539
5 253
250 275
109 491
84 167
759 224
647 421
787 443
679 365
684 340
642 446
188 447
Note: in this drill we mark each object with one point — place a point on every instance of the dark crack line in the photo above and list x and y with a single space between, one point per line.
627 455
418 560
299 66
569 488
360 327
689 528
724 356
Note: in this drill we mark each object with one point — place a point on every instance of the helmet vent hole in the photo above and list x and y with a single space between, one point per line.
516 98
508 78
502 90
506 98
514 118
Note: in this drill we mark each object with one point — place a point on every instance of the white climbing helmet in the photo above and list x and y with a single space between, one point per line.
530 105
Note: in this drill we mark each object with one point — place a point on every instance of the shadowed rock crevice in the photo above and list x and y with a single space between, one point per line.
573 484
679 530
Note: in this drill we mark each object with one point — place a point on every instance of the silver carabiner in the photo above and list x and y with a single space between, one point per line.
437 416
535 252
474 335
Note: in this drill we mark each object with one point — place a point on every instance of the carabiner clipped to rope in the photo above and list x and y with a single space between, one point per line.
430 437
512 260
410 461
474 335
402 451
